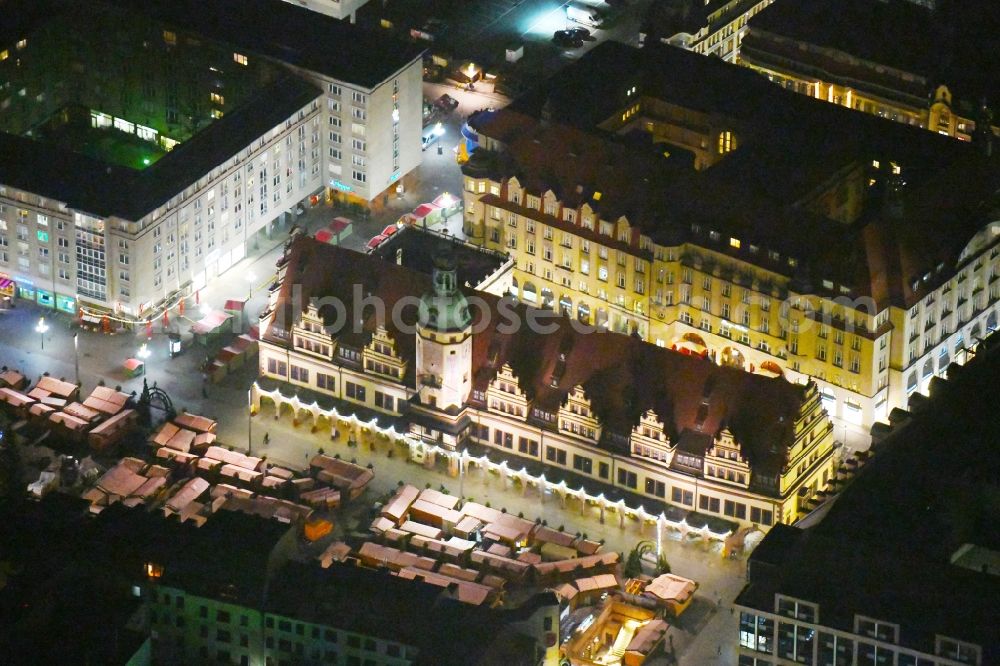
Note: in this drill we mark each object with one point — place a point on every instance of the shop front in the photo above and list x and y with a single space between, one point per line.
8 288
45 298
66 303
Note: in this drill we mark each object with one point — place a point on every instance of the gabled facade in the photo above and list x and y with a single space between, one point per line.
607 408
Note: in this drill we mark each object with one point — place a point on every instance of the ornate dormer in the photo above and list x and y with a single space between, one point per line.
550 203
309 334
380 356
650 440
724 460
577 416
505 396
623 230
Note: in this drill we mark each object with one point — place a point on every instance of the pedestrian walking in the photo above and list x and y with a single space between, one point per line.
718 650
267 438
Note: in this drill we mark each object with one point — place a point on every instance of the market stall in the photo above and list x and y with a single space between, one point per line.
210 327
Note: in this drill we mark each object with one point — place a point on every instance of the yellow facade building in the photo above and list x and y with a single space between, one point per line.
827 286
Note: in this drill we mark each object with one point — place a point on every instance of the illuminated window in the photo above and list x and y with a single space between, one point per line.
154 570
217 98
240 58
169 37
4 55
734 242
22 44
725 142
216 114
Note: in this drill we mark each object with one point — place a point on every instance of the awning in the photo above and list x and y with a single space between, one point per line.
324 235
373 243
234 305
390 230
5 282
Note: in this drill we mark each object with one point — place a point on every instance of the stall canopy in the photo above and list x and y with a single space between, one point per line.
390 230
210 323
233 306
133 367
374 242
424 209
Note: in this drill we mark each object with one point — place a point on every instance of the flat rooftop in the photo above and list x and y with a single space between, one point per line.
415 249
115 113
290 34
119 87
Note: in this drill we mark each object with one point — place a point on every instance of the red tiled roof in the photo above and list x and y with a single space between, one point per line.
622 376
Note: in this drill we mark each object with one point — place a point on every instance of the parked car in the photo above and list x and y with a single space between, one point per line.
447 102
566 39
582 33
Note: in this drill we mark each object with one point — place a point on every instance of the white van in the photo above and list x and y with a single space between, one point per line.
584 14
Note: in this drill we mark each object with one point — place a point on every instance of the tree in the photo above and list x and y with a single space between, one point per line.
662 566
633 563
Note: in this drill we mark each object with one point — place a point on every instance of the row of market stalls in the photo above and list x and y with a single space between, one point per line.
187 445
101 419
424 215
439 538
230 358
191 476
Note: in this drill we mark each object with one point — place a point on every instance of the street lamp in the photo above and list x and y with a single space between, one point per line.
250 279
41 328
250 421
143 353
76 356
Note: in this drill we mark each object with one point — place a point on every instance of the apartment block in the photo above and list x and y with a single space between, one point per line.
120 203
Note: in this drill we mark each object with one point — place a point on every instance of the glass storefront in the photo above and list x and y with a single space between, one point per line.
27 293
45 297
66 304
